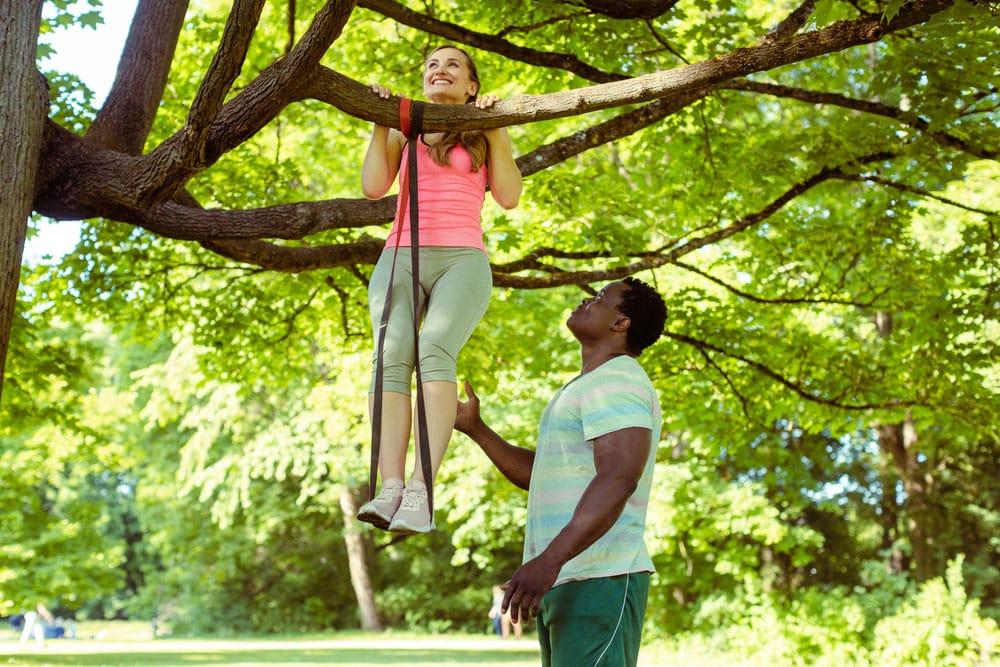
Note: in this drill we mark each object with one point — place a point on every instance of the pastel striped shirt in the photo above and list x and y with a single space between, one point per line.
450 201
616 395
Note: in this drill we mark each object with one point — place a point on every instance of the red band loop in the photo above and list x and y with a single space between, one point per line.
404 115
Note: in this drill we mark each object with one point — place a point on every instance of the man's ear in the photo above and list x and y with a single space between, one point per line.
621 324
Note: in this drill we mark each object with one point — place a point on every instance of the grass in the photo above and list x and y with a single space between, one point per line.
185 654
131 644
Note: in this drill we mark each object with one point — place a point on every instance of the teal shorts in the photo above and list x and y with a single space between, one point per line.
594 622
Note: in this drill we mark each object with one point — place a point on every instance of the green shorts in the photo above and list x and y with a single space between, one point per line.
594 622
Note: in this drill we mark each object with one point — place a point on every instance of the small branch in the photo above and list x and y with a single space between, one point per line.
792 23
875 108
291 27
792 385
902 187
456 33
776 300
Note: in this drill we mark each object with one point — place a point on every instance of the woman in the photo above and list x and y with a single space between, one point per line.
454 170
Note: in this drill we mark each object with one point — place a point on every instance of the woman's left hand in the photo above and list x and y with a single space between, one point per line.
486 101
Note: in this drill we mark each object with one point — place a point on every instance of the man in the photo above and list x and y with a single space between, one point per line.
586 571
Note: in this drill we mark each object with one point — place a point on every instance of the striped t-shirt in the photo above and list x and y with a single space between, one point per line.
616 395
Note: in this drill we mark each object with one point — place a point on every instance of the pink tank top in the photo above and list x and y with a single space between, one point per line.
450 201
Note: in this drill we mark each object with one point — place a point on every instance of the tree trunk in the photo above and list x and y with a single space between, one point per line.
357 559
898 444
23 110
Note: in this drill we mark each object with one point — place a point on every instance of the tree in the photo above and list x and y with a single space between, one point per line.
812 186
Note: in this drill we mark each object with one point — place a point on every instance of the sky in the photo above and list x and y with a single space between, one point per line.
93 56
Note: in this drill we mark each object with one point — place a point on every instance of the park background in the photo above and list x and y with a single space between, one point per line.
184 433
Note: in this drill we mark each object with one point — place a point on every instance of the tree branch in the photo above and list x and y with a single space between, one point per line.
903 187
123 123
174 161
876 108
792 385
616 128
478 40
777 300
356 99
792 23
298 259
630 9
164 172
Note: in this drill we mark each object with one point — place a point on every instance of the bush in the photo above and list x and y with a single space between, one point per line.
939 627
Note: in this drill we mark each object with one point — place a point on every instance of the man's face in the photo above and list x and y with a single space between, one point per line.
595 317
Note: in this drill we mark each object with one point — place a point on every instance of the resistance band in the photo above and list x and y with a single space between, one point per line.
411 115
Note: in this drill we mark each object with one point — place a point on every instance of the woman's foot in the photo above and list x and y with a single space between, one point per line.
379 510
414 513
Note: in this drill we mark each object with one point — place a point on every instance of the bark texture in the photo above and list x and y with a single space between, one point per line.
23 108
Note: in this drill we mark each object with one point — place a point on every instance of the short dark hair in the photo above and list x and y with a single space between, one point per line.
645 307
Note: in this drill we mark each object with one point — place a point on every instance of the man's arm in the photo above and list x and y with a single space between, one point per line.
514 462
620 458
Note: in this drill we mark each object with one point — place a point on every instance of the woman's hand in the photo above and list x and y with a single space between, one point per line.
486 101
380 90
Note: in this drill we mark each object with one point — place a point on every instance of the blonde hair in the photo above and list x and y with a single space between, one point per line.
474 141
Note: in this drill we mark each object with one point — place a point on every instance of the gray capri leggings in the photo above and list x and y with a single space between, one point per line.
456 284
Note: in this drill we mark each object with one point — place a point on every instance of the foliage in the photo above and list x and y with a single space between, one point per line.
178 426
938 626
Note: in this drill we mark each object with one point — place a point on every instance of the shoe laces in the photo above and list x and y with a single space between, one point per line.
414 499
389 494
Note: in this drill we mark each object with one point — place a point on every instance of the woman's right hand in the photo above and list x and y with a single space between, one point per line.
380 90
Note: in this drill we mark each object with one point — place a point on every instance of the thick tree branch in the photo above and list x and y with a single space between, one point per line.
289 259
173 162
347 95
123 123
285 221
221 74
165 171
876 108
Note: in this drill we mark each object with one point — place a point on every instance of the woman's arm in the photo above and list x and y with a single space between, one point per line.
505 177
385 150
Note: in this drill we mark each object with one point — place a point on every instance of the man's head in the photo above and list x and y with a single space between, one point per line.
629 308
644 306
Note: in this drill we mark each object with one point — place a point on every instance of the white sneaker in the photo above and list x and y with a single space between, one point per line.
379 510
413 515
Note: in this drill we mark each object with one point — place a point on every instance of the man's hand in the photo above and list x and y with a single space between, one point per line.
467 415
525 590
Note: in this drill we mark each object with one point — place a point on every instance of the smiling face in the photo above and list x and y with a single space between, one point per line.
450 77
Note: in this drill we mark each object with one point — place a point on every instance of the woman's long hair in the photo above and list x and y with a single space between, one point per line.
474 142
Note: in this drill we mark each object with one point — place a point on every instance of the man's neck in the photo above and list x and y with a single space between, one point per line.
597 356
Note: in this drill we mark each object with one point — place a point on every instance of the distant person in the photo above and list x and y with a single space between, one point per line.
454 171
494 612
34 625
586 569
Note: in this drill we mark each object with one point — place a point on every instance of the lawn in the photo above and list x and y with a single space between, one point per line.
252 653
114 644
